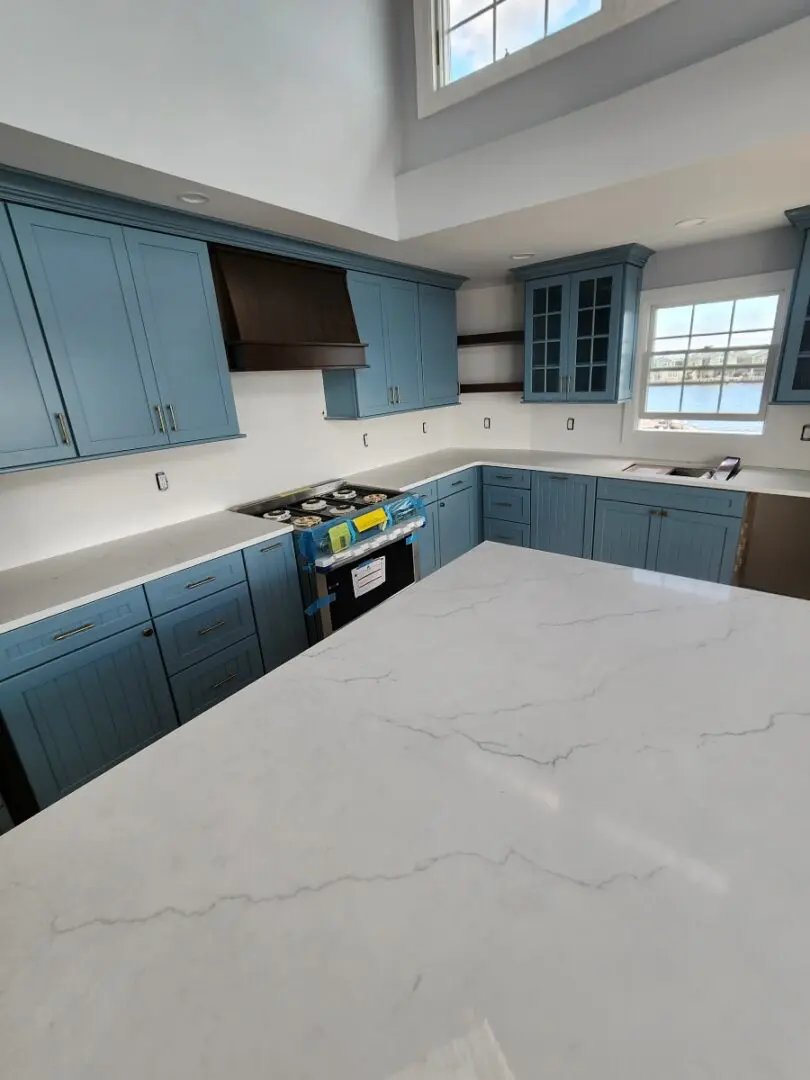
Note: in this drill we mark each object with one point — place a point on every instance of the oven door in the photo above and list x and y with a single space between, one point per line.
358 586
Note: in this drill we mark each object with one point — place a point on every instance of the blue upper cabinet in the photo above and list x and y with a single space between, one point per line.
33 423
410 335
83 288
580 324
179 309
438 335
793 382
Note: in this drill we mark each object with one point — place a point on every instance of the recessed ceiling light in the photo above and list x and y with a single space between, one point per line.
522 256
690 223
193 198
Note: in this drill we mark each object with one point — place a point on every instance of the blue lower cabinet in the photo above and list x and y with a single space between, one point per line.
276 593
625 533
702 546
428 542
212 680
186 586
75 717
508 504
459 515
506 532
563 514
198 630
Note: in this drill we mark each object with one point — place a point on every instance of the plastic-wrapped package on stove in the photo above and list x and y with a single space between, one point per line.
338 535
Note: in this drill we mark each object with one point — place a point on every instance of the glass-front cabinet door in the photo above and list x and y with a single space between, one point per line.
595 317
548 318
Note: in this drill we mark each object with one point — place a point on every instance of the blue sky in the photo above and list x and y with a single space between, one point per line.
518 23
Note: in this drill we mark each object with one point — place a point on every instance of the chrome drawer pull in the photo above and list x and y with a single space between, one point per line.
500 476
205 580
458 483
172 417
214 626
507 505
222 682
63 428
272 547
160 420
72 633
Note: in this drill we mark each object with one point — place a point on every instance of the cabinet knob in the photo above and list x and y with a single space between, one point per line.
148 632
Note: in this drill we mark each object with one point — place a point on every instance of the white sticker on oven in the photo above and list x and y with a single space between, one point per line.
368 576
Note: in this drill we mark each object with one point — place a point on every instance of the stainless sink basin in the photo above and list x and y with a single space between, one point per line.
693 472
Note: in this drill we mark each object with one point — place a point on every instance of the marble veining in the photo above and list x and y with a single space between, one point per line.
533 817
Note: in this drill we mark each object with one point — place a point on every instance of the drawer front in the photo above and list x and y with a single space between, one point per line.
203 628
704 500
507 504
514 478
460 481
428 493
35 644
212 680
186 586
506 532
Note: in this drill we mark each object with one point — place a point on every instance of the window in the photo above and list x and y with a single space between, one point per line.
709 356
475 33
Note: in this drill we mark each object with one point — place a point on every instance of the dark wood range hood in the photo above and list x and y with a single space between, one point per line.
284 315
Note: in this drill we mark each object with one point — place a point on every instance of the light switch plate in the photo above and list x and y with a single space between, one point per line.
570 423
806 433
162 481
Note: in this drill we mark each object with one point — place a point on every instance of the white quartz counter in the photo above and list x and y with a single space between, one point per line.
542 816
405 474
48 587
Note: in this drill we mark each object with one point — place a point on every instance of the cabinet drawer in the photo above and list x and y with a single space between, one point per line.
460 481
212 680
203 628
671 497
506 532
507 504
35 644
514 478
428 493
186 586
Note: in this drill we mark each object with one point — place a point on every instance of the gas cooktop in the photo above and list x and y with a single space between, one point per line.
312 506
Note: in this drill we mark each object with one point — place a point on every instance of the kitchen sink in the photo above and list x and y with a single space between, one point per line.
693 472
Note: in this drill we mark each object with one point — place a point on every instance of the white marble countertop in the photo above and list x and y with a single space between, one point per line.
405 474
542 816
48 587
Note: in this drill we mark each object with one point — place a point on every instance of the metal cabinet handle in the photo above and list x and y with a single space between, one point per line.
663 513
457 483
396 395
506 504
214 626
502 476
63 428
222 682
272 547
203 581
390 395
172 417
72 633
148 632
161 421
441 504
553 476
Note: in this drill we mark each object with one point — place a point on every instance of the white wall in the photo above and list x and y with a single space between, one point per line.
46 512
284 101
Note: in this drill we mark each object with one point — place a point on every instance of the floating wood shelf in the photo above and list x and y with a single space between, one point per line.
491 387
496 337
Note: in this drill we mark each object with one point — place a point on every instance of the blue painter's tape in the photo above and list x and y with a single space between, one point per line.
321 602
412 538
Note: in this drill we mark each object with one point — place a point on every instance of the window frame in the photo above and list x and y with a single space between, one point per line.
432 95
777 283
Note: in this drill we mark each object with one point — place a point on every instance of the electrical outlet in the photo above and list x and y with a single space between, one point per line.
806 433
570 424
365 438
162 481
424 427
487 423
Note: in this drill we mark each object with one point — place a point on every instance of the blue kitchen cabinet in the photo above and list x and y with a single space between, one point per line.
82 283
580 323
438 335
625 533
175 290
459 515
793 381
401 308
694 545
196 631
73 718
276 594
563 514
428 542
216 678
33 423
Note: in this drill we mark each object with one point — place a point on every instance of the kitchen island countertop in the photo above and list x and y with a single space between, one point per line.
540 815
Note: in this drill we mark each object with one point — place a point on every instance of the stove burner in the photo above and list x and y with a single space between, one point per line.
340 509
313 504
278 515
345 494
307 521
376 497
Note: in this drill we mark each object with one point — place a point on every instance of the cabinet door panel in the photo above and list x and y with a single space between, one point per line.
793 384
547 321
29 400
701 546
506 532
366 292
198 630
75 717
277 604
457 518
562 514
595 322
204 685
176 294
438 333
401 303
428 541
625 534
82 283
